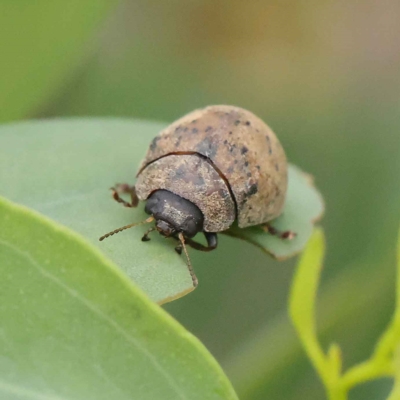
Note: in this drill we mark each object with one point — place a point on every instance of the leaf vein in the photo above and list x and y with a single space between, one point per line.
99 313
29 394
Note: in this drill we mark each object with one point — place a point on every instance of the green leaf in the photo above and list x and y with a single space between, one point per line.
64 168
303 207
73 326
40 42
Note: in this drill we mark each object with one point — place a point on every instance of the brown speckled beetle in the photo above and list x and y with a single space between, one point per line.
206 170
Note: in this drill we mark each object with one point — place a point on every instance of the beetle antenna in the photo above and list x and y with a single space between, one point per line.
150 219
189 264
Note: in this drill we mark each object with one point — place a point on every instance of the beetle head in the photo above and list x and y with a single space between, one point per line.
174 214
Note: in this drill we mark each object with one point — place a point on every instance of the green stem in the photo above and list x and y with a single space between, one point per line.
337 393
364 372
394 394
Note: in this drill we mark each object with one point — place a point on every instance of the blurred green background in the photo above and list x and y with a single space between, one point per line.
324 75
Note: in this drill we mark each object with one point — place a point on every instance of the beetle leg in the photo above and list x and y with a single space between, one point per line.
145 237
179 248
282 235
124 188
212 242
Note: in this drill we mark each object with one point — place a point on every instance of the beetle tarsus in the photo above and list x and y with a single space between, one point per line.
145 237
178 249
285 235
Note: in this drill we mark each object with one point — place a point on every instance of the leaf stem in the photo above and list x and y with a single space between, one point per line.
337 393
366 371
385 361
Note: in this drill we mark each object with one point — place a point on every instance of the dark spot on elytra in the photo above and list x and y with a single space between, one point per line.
268 139
230 132
195 130
277 167
180 171
230 170
221 115
225 141
248 123
237 122
258 167
231 147
244 150
185 129
222 193
246 164
207 148
154 142
208 129
198 180
253 189
270 150
194 121
236 161
249 174
178 142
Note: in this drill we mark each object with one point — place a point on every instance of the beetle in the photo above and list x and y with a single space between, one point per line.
208 169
